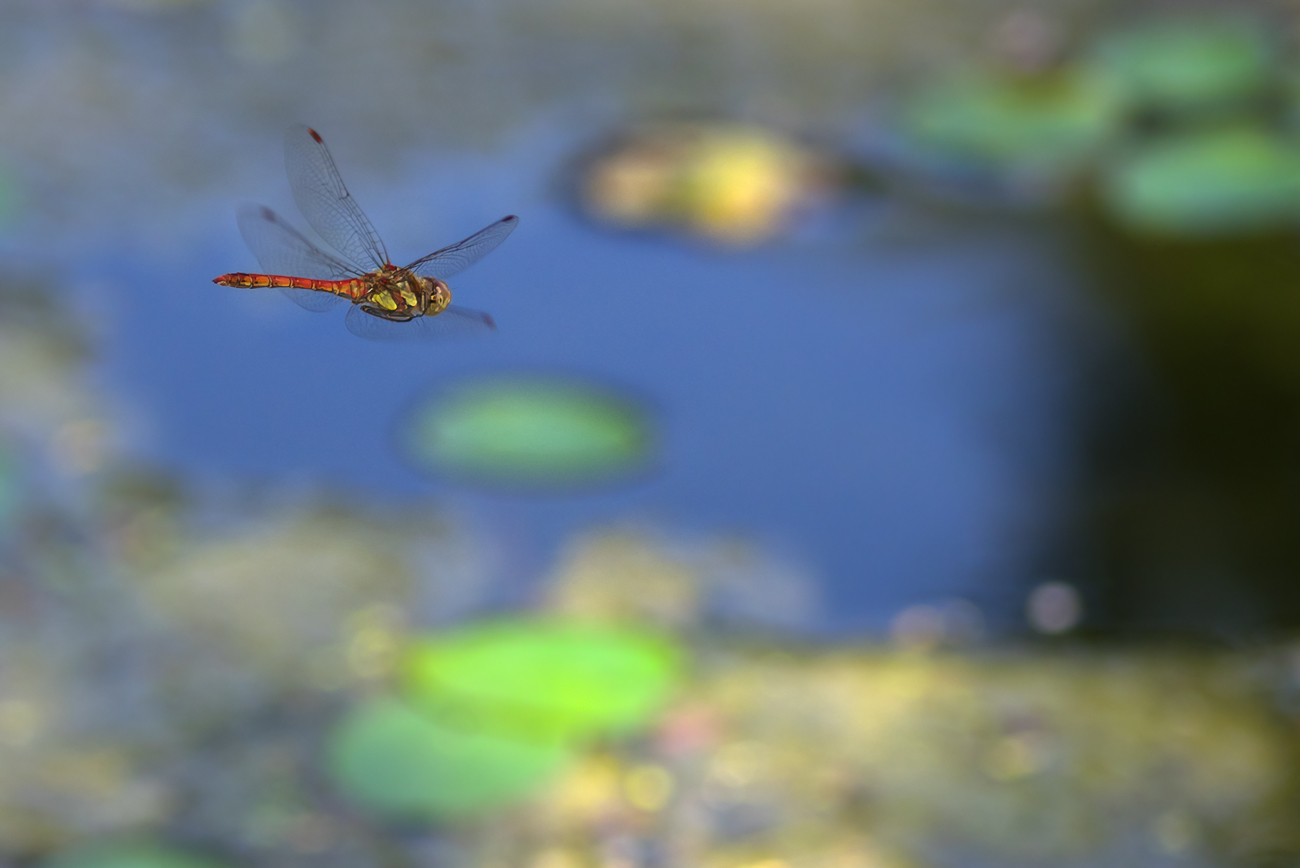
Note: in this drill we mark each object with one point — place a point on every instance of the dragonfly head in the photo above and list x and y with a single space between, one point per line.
439 296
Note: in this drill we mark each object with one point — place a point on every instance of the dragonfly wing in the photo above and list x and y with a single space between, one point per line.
311 299
455 321
325 201
466 320
281 249
442 264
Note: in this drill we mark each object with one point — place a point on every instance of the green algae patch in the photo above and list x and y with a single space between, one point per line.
1040 123
530 432
1187 63
1222 182
132 855
396 762
544 681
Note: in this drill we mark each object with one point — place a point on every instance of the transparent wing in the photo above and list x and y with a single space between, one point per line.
325 201
281 249
443 263
311 299
455 321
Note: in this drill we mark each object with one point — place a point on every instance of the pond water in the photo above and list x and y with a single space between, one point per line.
729 546
876 398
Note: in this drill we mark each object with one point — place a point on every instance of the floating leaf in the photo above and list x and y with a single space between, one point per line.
1184 63
1220 182
130 855
1039 124
543 680
530 432
730 182
397 762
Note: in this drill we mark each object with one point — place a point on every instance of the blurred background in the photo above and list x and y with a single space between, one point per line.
887 455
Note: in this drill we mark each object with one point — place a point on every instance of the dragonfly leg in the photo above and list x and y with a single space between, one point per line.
381 313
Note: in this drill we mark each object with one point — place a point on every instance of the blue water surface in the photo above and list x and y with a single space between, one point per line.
877 397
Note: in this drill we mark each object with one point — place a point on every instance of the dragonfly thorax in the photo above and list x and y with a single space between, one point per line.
398 294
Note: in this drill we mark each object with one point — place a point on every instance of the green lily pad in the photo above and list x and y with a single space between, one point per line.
1222 182
543 680
1185 63
396 762
530 431
1044 123
130 855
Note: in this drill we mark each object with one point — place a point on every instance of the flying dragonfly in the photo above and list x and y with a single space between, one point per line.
387 302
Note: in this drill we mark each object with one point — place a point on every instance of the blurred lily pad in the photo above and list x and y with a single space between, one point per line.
544 680
729 182
1183 63
530 432
130 855
1043 123
1212 183
397 762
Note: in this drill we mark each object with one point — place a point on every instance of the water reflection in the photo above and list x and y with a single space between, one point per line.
1188 499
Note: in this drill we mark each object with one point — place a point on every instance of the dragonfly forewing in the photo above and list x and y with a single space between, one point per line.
281 249
325 201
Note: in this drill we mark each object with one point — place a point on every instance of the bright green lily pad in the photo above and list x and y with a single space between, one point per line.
1042 123
544 680
1214 183
394 761
130 855
530 431
1183 63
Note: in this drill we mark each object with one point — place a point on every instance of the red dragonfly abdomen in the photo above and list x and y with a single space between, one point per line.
352 289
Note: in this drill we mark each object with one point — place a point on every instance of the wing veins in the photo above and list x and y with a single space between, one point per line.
455 258
324 199
281 249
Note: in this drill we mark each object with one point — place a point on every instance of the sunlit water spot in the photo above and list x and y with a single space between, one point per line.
953 623
1054 607
1016 756
372 652
648 787
80 447
1176 832
739 764
20 722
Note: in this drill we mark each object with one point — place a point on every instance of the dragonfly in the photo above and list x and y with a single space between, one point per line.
388 303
